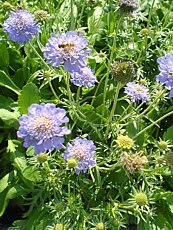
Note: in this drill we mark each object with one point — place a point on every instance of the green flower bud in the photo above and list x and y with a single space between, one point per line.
59 227
42 157
59 206
141 199
163 145
100 226
145 32
72 163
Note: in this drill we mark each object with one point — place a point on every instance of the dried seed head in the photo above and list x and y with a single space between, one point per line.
41 15
128 6
123 71
133 162
169 159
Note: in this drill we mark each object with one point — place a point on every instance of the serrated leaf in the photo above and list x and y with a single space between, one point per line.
5 81
29 95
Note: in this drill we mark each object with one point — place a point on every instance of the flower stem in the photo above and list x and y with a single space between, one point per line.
113 107
154 123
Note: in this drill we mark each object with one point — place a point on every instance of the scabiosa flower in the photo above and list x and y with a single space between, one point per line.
124 142
42 127
84 78
137 92
21 26
166 72
69 49
83 150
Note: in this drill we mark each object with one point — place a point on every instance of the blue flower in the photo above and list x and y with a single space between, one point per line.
83 150
21 26
166 72
84 78
137 92
42 127
69 49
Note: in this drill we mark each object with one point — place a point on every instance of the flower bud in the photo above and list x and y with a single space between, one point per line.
72 163
59 227
124 142
42 157
141 199
100 226
163 145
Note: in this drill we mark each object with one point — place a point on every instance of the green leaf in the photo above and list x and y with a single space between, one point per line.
29 96
4 57
32 174
168 135
94 20
8 83
6 180
10 118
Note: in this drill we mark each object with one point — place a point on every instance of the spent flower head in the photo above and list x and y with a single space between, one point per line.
124 142
169 159
83 150
123 71
42 127
84 78
128 6
137 92
69 49
166 72
41 15
133 162
21 26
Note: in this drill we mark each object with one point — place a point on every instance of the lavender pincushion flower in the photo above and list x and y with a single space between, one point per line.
166 72
84 78
21 26
69 49
42 127
137 92
82 150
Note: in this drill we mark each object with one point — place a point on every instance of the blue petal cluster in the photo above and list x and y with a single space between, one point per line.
166 72
137 92
71 50
83 150
21 26
42 127
85 78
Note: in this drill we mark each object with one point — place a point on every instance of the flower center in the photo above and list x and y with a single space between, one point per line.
79 153
139 89
20 22
42 124
66 47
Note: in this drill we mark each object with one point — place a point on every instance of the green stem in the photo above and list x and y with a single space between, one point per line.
109 67
68 89
72 19
40 57
78 94
81 13
113 107
53 91
157 121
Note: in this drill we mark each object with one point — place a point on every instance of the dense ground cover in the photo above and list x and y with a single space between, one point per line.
86 118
